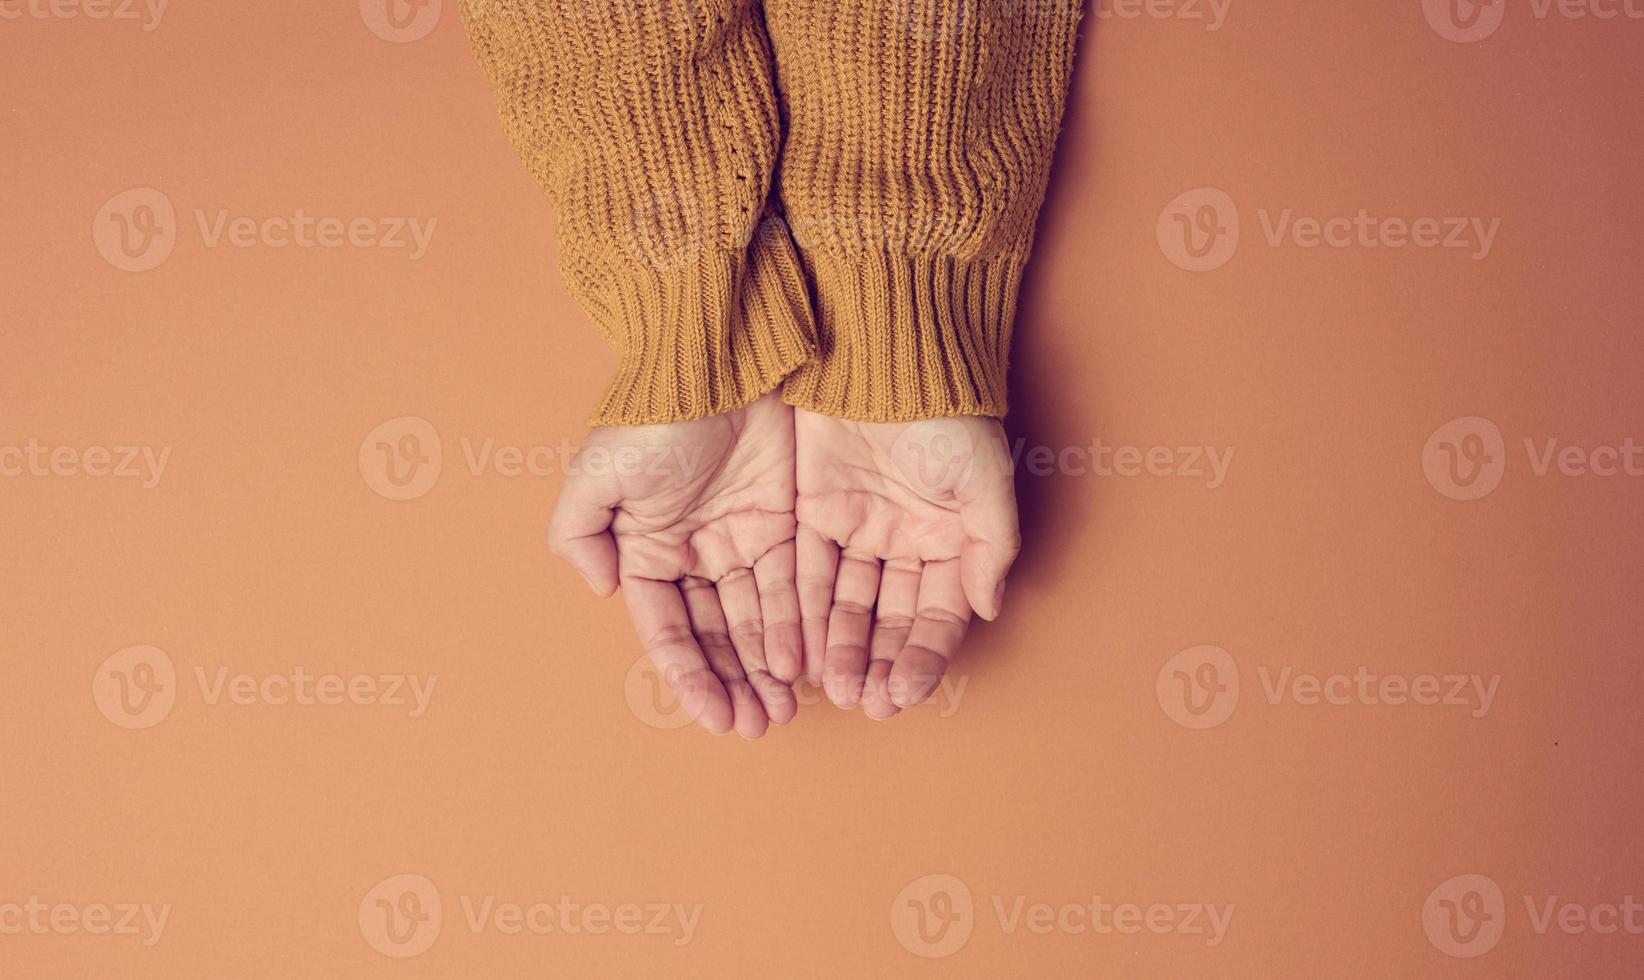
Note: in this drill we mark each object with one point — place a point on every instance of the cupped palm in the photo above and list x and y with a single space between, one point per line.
905 528
695 522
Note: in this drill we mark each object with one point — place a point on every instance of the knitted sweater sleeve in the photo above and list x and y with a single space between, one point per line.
653 127
918 144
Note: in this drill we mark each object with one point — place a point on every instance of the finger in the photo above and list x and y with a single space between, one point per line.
664 628
817 564
739 605
892 619
579 531
987 514
845 664
739 600
779 607
876 700
939 625
708 623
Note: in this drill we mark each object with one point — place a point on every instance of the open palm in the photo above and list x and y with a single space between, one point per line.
695 521
904 529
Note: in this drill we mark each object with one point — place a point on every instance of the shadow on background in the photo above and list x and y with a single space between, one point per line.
1047 505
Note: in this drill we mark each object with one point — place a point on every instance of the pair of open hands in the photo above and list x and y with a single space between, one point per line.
770 544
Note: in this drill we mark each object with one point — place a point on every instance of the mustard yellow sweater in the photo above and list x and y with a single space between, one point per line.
839 193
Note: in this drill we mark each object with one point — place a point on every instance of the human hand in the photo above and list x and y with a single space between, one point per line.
695 521
904 529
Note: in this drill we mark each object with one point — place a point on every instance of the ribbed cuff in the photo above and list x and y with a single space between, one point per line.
908 337
707 335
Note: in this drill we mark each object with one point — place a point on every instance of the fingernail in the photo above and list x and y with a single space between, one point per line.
999 600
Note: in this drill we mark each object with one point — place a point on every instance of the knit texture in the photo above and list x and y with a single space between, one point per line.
653 128
902 145
918 144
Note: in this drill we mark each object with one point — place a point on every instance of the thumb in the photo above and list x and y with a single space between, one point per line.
992 541
580 531
982 570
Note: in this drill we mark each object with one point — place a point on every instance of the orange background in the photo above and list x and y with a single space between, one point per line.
1060 774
